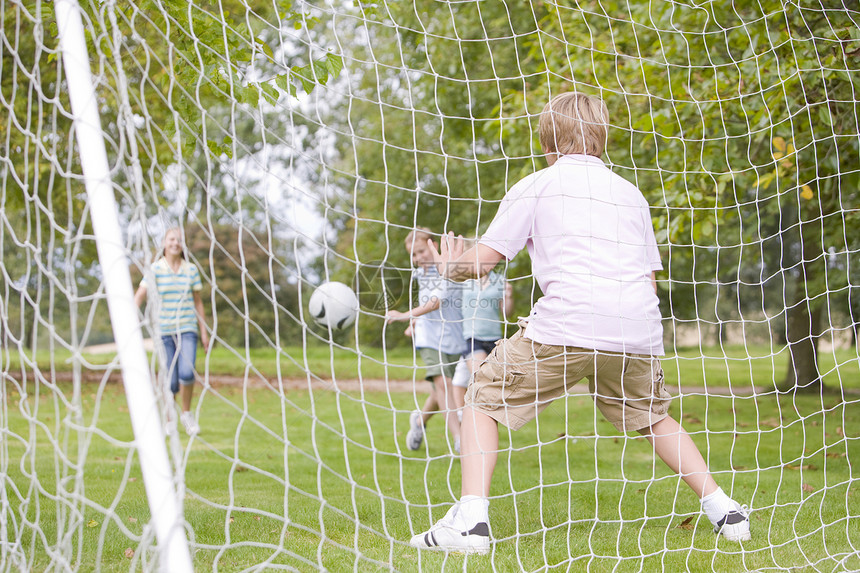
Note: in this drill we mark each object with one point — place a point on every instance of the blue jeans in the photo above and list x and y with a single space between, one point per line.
180 365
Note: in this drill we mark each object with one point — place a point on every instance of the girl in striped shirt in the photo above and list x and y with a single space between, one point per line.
180 317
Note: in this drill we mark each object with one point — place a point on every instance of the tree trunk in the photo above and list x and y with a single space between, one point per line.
802 337
803 309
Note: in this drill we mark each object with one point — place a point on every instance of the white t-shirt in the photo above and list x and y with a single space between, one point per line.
590 237
441 329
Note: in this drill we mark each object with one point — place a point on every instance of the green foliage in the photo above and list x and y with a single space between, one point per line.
445 120
424 146
182 86
47 264
204 60
308 77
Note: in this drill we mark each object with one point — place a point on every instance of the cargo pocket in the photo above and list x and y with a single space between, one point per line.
658 381
661 397
499 392
511 388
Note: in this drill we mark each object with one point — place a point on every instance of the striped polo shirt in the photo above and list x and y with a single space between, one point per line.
175 296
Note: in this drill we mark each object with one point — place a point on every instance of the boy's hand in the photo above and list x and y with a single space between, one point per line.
451 247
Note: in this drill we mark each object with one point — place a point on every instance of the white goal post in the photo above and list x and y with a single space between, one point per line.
113 259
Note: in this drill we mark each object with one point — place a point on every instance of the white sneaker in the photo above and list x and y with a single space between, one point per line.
457 445
448 534
735 525
415 435
190 423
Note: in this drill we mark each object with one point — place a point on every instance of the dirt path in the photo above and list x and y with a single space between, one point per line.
346 385
315 383
377 385
372 384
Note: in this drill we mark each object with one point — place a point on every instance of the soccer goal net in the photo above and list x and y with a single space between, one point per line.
255 150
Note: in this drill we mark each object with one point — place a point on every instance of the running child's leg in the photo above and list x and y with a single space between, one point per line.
418 419
445 398
430 407
462 375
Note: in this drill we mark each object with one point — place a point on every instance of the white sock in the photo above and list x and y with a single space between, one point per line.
472 510
717 505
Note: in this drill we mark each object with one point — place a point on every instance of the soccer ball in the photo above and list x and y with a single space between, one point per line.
333 305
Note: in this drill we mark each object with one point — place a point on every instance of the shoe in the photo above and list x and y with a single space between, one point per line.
449 535
457 445
190 423
735 525
415 435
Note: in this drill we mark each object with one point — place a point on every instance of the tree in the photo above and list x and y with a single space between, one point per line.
700 95
181 85
707 93
422 145
44 212
253 303
211 84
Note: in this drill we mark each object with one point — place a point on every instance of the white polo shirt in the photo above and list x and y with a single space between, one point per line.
590 237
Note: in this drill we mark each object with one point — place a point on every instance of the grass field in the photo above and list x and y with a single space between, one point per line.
321 479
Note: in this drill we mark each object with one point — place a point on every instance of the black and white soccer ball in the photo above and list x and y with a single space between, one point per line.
333 305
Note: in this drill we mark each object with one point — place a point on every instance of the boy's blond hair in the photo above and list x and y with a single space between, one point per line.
574 123
418 234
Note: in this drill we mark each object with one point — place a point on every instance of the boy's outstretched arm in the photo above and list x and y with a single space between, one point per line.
457 264
395 315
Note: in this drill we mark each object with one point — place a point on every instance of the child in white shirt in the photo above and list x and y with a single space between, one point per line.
435 327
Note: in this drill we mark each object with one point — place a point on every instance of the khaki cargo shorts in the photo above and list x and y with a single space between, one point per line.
522 377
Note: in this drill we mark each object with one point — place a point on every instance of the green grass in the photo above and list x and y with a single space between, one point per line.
321 479
740 368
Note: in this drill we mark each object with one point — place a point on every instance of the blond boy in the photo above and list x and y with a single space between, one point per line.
591 241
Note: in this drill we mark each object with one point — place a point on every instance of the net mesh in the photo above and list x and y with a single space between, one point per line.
297 143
